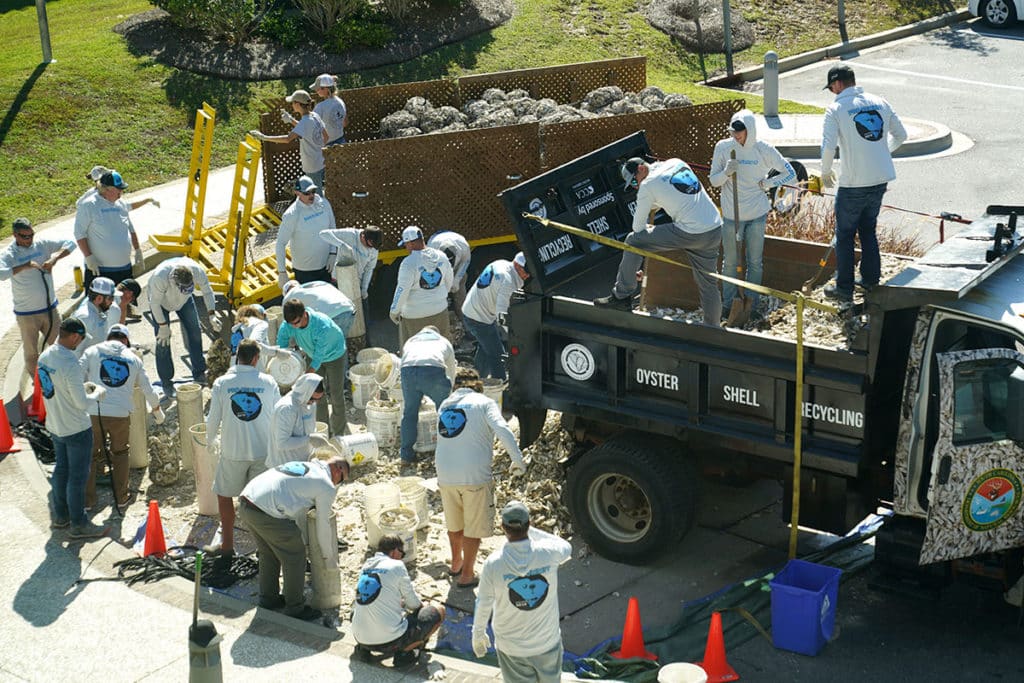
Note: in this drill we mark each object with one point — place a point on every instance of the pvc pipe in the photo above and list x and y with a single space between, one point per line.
274 316
324 575
190 412
205 466
348 284
138 446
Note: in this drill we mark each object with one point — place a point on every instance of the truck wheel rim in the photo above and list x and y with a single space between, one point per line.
997 11
619 508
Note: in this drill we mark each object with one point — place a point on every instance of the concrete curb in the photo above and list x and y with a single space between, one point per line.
940 139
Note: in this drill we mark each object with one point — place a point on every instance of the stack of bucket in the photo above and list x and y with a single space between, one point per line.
382 419
414 497
426 427
363 385
376 498
402 522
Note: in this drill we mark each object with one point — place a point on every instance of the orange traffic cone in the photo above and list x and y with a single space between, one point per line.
37 407
632 644
6 437
714 664
155 543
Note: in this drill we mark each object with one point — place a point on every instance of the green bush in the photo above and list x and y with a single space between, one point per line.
231 20
282 28
398 9
366 28
322 15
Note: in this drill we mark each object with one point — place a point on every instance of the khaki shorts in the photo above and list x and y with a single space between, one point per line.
232 476
469 509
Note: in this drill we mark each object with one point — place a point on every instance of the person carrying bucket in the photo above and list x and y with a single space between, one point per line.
484 311
428 369
293 421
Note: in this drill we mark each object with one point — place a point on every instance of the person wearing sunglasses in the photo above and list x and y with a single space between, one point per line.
171 287
300 230
28 263
309 130
99 312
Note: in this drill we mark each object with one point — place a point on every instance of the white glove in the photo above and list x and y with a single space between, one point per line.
137 259
480 645
765 184
286 117
283 354
94 392
828 179
163 335
518 469
92 264
158 415
257 134
731 166
282 280
215 323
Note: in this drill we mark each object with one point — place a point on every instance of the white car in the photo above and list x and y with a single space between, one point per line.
997 13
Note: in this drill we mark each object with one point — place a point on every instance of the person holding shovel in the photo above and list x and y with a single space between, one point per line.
740 166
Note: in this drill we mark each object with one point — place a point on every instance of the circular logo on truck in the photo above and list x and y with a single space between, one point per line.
991 499
578 362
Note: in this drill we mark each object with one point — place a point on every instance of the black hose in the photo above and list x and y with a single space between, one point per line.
153 568
109 456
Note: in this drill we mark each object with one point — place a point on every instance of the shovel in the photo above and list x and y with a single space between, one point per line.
739 311
810 284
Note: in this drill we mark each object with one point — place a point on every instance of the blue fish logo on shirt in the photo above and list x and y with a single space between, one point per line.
685 181
293 469
486 277
528 592
246 405
236 339
870 125
451 422
368 588
113 372
430 279
45 382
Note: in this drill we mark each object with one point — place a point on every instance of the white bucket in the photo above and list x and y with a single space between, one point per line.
387 370
321 428
682 672
414 497
383 418
494 388
286 370
378 497
364 387
370 354
426 427
357 449
401 522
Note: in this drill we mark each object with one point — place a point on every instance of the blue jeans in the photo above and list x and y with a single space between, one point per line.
318 178
189 319
344 321
417 382
489 348
752 234
67 483
857 214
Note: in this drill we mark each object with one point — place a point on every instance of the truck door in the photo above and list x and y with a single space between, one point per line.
975 490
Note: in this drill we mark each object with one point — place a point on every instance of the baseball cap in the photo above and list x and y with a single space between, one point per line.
520 259
117 330
737 126
305 184
410 234
515 514
628 170
102 285
300 96
839 73
96 173
73 325
22 224
323 81
132 286
113 179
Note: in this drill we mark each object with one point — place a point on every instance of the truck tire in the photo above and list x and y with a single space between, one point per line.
632 497
998 13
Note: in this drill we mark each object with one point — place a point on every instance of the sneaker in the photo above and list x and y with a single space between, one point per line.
307 613
274 602
222 563
60 523
867 287
126 503
212 550
613 301
361 653
87 530
842 295
406 657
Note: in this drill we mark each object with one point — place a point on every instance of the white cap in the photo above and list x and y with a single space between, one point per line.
102 285
97 172
520 259
323 81
410 234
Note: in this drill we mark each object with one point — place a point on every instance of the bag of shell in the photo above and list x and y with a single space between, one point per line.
39 437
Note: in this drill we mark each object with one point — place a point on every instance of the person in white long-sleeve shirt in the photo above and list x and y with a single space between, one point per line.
483 312
360 247
275 507
519 594
112 365
66 396
421 293
300 230
467 422
388 616
98 312
105 232
459 254
28 263
241 405
428 369
293 421
866 131
323 297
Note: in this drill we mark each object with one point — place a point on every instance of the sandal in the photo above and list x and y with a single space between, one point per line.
472 584
455 572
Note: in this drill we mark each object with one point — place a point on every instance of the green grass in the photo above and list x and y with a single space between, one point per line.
99 104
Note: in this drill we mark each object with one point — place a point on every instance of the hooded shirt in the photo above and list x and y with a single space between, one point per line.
383 596
671 185
756 159
97 323
519 587
429 349
290 490
467 423
241 407
28 292
490 294
109 230
300 229
62 384
322 297
257 330
165 295
292 421
424 280
351 248
321 339
457 244
867 131
114 366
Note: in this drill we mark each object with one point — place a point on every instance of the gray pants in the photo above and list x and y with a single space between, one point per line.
281 550
407 327
333 373
543 668
701 250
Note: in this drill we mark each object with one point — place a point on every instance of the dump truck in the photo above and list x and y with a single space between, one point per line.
920 414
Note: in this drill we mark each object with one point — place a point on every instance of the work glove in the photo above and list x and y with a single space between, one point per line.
731 166
92 264
518 469
282 280
480 645
158 415
163 335
286 117
154 202
828 178
94 392
257 134
283 354
215 323
137 259
765 184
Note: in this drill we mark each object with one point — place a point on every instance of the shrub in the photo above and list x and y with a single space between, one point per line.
231 20
282 28
366 28
324 14
397 9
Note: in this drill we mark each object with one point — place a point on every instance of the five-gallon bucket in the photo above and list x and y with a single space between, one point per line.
357 449
682 672
414 496
426 427
494 388
370 354
804 606
387 370
377 497
287 369
382 418
401 522
364 387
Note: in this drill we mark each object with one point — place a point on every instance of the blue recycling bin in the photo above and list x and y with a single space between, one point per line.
804 598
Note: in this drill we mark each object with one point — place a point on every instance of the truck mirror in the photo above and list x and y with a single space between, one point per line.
1015 405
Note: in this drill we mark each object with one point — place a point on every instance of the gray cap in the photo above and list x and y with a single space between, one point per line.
515 514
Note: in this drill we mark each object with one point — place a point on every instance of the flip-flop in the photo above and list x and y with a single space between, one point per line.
472 584
455 572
